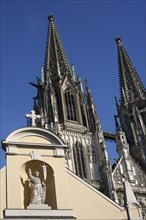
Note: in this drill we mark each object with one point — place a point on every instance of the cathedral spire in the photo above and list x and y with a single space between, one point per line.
56 63
131 87
131 111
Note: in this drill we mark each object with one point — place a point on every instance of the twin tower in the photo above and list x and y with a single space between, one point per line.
66 113
69 111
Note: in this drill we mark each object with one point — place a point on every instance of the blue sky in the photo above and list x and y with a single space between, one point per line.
88 30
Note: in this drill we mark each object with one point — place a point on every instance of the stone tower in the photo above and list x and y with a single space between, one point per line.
132 106
69 112
130 132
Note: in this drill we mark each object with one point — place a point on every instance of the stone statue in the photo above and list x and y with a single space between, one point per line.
38 188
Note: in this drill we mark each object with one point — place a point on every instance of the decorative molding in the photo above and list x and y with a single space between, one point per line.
74 126
35 155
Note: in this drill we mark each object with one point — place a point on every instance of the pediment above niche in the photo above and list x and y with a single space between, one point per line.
34 139
33 136
25 140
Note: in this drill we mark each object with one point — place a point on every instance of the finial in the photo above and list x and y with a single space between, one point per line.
116 123
86 82
87 86
73 68
117 104
51 17
73 72
118 40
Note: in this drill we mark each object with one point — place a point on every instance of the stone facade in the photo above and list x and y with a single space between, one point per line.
69 111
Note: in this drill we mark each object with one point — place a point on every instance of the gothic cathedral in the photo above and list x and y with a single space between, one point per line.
64 115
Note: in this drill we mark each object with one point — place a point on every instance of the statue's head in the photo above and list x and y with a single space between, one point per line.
36 173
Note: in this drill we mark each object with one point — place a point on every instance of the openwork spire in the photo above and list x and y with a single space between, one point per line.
131 87
56 63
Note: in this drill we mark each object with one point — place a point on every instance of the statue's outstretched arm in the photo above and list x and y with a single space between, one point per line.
30 174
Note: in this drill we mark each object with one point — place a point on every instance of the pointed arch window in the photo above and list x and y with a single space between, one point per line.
70 105
79 160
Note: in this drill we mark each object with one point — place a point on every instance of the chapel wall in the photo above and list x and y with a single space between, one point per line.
57 196
94 204
2 190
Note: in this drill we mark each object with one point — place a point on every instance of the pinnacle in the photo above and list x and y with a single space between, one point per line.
118 40
51 17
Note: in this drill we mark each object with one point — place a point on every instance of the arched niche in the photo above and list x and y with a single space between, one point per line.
37 165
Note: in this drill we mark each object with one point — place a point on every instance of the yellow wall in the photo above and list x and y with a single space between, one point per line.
64 189
2 190
88 203
71 193
15 189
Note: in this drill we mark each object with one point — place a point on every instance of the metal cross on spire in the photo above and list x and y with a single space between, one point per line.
33 118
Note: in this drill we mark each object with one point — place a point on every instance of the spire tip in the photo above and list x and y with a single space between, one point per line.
118 40
51 17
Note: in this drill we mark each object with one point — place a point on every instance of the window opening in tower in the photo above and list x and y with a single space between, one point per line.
70 105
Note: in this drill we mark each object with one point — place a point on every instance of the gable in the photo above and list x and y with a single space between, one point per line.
34 135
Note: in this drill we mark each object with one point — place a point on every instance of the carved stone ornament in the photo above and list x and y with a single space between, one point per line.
38 188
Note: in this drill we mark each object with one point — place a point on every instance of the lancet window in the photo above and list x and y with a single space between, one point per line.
79 160
70 105
59 106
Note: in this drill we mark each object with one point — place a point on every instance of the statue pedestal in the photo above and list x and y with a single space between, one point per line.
37 206
41 214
